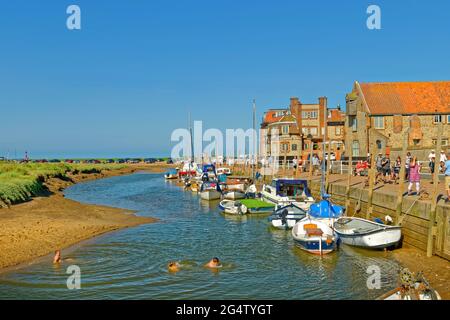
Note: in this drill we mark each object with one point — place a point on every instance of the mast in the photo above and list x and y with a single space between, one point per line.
325 115
254 141
192 145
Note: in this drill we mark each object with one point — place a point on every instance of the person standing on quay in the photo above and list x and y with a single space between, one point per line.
407 162
414 176
447 178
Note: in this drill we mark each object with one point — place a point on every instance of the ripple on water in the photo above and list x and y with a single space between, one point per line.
258 262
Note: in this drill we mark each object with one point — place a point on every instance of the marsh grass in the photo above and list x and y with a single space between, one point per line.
19 182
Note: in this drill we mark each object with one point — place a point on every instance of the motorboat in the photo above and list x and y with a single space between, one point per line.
210 190
285 217
285 191
171 174
233 207
314 236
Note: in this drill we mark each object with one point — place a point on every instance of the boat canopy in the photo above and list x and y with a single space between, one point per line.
209 168
172 171
325 209
296 184
208 185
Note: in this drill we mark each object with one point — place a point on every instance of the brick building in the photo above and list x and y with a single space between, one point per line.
289 132
390 109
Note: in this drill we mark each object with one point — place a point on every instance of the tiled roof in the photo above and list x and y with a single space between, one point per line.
269 116
407 97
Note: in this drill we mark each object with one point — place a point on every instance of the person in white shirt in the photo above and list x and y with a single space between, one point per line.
443 156
431 155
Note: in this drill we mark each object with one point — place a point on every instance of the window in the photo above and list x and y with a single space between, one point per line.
285 129
378 122
294 147
437 118
353 123
416 142
313 131
285 147
448 118
355 148
338 131
309 114
444 142
306 146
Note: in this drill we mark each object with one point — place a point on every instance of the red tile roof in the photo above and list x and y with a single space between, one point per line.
407 97
269 116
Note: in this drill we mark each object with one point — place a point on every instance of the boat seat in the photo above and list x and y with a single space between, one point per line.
310 232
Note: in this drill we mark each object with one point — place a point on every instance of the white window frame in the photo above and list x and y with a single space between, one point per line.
285 129
435 117
376 122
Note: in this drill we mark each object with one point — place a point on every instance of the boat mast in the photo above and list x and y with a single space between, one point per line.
254 142
325 115
192 159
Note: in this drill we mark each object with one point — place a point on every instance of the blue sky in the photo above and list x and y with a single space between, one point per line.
122 83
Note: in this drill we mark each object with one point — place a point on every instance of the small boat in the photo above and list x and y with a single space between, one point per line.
413 287
256 206
285 191
233 207
188 169
314 236
226 171
171 174
234 195
286 217
367 234
210 190
209 170
325 211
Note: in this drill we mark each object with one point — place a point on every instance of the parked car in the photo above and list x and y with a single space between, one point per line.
169 161
150 160
55 161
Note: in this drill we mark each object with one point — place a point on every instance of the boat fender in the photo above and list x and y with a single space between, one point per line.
243 209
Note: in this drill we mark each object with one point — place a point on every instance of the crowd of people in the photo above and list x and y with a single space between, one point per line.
388 171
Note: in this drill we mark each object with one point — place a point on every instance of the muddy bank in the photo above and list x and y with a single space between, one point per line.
39 227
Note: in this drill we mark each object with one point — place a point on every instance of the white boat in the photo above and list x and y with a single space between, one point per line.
365 233
413 287
234 195
171 174
226 171
286 217
232 207
210 190
314 236
286 191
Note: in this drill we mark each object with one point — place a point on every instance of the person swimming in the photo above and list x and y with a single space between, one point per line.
173 266
213 263
57 257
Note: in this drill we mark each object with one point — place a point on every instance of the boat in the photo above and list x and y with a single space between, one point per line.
314 236
285 191
171 174
226 171
233 207
210 190
189 169
209 170
285 217
234 195
257 206
367 234
412 287
326 211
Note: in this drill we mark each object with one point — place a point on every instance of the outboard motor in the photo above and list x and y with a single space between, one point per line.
283 216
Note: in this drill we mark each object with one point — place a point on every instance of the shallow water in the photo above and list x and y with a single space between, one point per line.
258 262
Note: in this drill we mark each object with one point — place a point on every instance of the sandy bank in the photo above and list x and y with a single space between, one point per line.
39 227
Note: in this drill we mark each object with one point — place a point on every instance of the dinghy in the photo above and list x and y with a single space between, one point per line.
286 217
234 195
233 207
367 234
171 174
210 190
256 206
314 236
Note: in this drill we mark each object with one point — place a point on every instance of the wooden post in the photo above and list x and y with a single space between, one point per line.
327 166
285 162
372 173
349 175
434 200
401 180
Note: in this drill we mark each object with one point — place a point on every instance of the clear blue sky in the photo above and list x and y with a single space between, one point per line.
121 84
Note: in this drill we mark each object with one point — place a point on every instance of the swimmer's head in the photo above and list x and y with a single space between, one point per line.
173 266
216 260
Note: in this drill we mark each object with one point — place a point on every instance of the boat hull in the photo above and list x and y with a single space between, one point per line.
234 195
376 240
314 245
210 195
